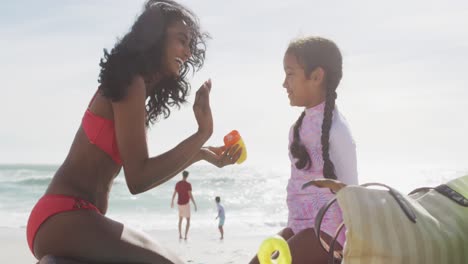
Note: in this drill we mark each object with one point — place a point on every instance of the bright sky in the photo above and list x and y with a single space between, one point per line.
404 90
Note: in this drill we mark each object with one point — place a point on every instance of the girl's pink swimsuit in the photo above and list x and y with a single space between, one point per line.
304 204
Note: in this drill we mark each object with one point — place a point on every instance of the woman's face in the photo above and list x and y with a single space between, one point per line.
302 90
177 48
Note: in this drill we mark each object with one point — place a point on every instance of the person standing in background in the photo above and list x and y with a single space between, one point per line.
221 216
184 194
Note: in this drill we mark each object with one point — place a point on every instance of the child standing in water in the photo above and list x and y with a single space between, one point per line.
221 216
320 145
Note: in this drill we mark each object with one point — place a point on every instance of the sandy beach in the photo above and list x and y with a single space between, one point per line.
13 246
202 247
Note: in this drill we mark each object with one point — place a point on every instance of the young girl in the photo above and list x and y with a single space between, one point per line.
141 77
320 144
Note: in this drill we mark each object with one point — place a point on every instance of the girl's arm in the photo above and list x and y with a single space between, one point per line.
343 154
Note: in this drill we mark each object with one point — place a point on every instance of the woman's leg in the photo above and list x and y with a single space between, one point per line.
90 237
286 233
305 247
58 260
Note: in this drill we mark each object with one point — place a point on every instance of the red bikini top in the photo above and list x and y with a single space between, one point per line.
101 132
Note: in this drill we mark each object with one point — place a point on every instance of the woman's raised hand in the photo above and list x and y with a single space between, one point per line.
202 109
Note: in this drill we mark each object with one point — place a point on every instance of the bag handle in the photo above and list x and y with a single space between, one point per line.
402 202
334 256
452 194
422 189
446 191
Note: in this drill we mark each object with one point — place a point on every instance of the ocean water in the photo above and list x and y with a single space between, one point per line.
253 197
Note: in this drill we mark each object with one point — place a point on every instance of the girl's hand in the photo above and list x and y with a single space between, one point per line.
333 185
222 156
202 109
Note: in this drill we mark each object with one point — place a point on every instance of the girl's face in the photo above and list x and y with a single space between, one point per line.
302 90
177 48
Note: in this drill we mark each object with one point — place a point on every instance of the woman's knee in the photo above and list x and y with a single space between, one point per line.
305 247
49 259
306 232
286 233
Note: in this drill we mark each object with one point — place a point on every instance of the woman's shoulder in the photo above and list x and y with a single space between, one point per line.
138 82
136 90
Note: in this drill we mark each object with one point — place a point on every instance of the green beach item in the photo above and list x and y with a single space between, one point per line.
272 244
430 225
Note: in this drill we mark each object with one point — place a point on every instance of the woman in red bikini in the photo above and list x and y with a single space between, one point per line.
140 79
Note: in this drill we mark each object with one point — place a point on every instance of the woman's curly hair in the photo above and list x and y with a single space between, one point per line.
140 52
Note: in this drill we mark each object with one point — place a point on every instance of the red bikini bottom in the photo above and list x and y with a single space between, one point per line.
52 204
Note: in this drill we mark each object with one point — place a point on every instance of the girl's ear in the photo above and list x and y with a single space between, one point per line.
317 75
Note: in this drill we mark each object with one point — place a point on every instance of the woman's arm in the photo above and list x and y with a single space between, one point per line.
218 156
141 171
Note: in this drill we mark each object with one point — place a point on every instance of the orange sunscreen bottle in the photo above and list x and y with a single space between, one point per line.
234 138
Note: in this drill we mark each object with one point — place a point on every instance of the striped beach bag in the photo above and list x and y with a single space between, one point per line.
383 226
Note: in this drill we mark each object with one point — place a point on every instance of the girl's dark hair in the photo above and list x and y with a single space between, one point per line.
311 53
140 52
